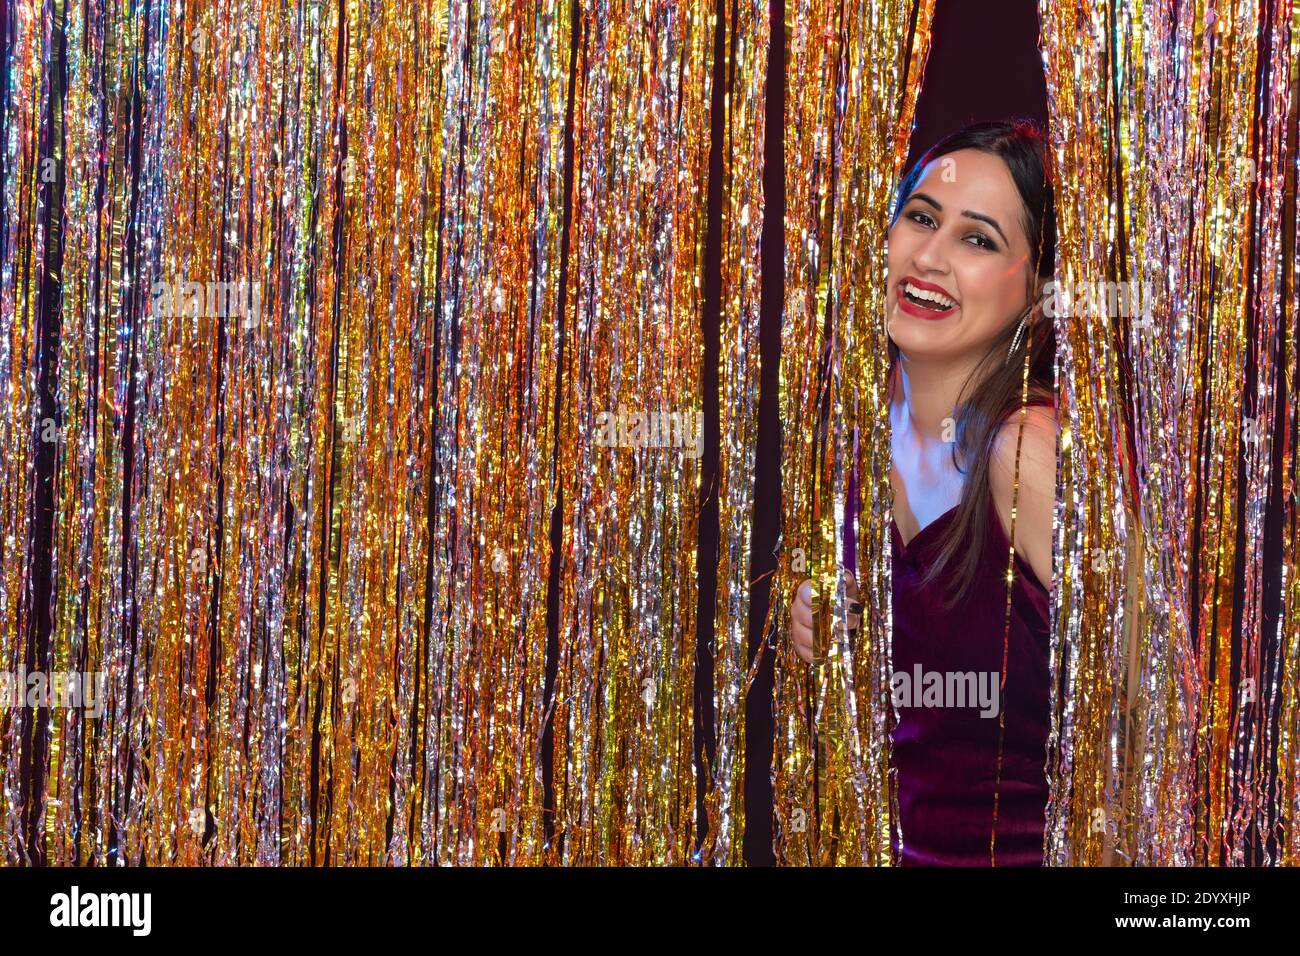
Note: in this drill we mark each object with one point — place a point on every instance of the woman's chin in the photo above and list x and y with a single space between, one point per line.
920 338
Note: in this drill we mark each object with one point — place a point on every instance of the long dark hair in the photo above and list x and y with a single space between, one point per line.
992 392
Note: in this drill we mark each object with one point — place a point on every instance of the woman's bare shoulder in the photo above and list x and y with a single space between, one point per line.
1036 498
1037 449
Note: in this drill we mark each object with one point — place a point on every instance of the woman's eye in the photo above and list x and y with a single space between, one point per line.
919 217
981 240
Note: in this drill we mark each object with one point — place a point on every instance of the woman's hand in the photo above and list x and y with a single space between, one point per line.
802 613
801 621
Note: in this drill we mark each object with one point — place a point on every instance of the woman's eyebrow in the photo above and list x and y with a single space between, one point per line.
980 217
926 197
977 216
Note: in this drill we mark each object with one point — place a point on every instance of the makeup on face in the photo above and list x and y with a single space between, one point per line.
958 258
924 300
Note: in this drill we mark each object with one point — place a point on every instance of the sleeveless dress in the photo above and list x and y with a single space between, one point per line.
946 756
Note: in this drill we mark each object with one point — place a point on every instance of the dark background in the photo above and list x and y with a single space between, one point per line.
982 66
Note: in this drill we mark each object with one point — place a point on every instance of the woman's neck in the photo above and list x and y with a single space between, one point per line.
929 392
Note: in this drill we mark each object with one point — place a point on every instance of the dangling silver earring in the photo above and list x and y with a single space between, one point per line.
1020 334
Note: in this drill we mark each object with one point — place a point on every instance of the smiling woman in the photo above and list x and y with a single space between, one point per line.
974 438
975 226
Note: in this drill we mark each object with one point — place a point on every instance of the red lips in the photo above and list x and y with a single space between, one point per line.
908 307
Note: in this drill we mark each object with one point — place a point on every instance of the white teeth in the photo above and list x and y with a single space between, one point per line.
937 297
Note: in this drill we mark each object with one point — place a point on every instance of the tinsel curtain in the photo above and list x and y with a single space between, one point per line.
1175 135
310 541
854 75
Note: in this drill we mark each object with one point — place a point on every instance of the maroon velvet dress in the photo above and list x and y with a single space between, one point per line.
946 757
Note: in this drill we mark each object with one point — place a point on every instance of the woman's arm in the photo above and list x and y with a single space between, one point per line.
1036 501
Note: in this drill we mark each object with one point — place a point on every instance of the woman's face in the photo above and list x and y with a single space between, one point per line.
959 259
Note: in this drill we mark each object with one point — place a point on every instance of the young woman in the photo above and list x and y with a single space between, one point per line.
970 246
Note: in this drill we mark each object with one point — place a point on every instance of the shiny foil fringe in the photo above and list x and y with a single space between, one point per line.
1175 135
309 544
853 76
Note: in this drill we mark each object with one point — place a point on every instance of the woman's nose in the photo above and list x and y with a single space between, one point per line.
929 256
